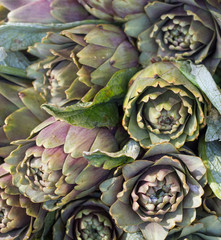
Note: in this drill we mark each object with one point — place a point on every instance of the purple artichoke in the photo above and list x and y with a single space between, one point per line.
50 168
78 62
157 192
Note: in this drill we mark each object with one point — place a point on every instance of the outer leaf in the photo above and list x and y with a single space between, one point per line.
201 77
154 231
213 132
133 236
210 152
111 160
49 221
86 114
13 63
18 36
103 111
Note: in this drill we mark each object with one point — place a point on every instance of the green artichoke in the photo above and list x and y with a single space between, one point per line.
78 62
157 192
44 11
177 29
162 105
119 10
204 229
85 219
49 167
19 111
19 217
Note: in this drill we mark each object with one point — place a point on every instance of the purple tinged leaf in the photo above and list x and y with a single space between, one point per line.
53 135
79 139
36 11
54 157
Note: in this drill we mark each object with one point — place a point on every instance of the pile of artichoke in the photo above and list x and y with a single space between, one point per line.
110 119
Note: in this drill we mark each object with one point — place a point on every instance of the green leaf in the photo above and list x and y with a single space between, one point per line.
86 114
103 111
46 232
213 131
116 88
48 223
19 36
13 63
210 152
201 77
109 161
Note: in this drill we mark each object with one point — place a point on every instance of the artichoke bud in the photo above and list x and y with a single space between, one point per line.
86 218
156 191
51 168
78 62
163 106
178 30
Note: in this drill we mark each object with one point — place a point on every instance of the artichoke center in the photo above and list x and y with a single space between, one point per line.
165 120
157 194
176 36
36 171
92 228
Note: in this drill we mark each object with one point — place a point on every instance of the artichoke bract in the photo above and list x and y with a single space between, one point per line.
157 192
119 10
50 168
44 11
19 217
78 62
20 111
177 29
162 105
205 228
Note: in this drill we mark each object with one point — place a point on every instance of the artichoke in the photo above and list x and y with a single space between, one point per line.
85 219
19 217
49 167
204 229
78 62
162 105
19 111
119 10
44 11
157 192
177 29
